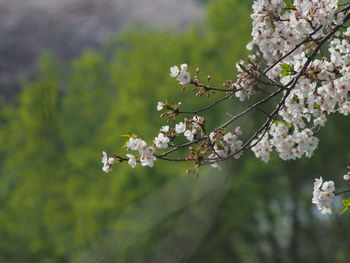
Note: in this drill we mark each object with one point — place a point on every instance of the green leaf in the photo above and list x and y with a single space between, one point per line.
129 135
290 4
287 70
125 145
346 203
283 122
295 98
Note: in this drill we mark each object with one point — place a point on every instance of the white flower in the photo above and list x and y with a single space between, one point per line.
184 67
262 148
214 165
132 160
161 141
107 168
250 45
180 128
104 157
148 151
165 128
345 108
147 157
190 134
323 195
328 186
160 106
238 131
299 61
111 160
107 162
147 160
347 32
340 18
230 138
318 183
212 136
184 77
347 177
136 144
174 71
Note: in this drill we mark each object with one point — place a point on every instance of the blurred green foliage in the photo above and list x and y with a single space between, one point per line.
58 206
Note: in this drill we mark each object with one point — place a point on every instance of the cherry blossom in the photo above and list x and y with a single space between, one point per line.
161 141
107 162
189 134
300 60
165 128
184 77
147 157
132 160
323 195
174 71
180 128
160 106
136 144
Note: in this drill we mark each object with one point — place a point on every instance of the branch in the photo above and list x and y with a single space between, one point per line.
207 88
342 192
207 107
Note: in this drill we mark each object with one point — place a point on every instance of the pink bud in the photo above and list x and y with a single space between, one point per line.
347 177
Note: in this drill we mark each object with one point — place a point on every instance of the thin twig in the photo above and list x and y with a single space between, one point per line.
207 107
342 192
207 88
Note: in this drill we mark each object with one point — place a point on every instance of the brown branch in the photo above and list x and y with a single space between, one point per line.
342 192
344 4
237 116
259 134
207 88
159 156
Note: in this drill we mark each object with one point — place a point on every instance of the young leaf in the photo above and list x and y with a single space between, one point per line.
129 135
346 203
287 70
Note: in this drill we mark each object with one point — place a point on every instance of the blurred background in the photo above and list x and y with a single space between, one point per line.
74 75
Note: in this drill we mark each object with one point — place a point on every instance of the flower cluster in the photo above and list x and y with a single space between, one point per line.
314 87
225 145
290 142
146 153
323 195
217 145
107 162
182 74
246 80
277 29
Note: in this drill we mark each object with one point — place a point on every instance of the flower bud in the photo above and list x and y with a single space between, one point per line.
347 177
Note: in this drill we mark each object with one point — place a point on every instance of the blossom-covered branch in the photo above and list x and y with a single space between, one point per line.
301 56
